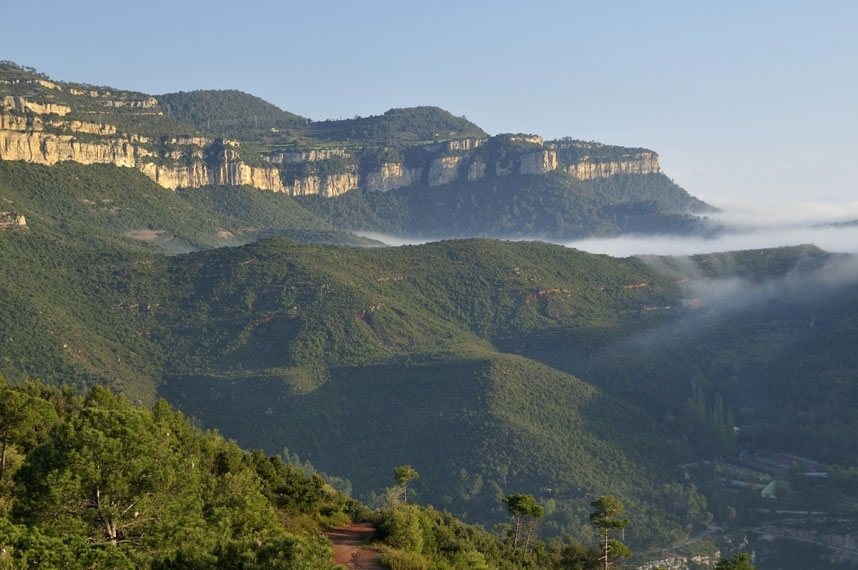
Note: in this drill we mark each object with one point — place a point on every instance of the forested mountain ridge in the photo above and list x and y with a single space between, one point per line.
396 161
492 367
474 360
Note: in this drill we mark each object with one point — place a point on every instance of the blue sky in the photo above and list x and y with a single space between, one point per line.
751 101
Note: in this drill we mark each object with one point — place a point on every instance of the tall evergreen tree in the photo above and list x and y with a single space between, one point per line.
608 520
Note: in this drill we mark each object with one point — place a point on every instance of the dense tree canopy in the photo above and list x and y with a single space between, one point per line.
124 486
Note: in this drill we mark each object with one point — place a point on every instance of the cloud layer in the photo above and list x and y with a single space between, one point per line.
749 226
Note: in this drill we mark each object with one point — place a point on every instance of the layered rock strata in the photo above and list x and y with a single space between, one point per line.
41 133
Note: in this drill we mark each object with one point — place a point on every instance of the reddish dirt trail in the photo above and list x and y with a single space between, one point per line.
349 547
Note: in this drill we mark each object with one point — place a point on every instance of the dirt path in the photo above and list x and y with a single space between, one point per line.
349 547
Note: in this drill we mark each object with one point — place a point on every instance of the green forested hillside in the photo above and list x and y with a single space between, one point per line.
308 319
242 116
493 367
553 206
120 207
96 483
397 127
229 113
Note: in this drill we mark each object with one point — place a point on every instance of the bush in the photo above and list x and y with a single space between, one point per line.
399 560
401 529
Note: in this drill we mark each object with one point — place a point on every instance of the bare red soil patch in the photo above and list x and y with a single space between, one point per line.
350 548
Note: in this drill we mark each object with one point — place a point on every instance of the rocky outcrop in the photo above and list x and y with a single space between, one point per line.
588 160
454 145
306 156
327 186
23 138
476 170
539 162
23 105
391 176
587 169
12 220
444 170
222 174
44 133
44 148
32 133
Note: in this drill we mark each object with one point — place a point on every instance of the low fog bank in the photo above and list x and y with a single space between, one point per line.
799 294
834 240
392 240
809 286
831 226
748 226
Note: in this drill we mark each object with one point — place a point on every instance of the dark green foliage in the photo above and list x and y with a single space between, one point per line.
122 208
425 537
397 127
607 519
228 113
741 561
570 151
263 126
553 206
405 474
655 188
332 349
525 513
492 367
118 486
30 547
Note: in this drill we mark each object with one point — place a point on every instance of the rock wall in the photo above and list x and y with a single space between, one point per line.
43 148
476 170
391 176
30 132
444 170
23 105
539 162
224 173
305 156
327 186
642 163
11 220
38 133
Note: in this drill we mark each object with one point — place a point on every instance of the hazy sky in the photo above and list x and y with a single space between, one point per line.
743 100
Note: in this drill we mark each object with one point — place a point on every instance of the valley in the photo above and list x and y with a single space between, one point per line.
707 393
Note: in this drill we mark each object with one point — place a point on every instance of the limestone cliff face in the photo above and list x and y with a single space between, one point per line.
391 176
44 148
539 162
171 177
476 170
327 186
455 145
589 160
32 133
44 133
444 170
643 163
227 170
306 156
23 105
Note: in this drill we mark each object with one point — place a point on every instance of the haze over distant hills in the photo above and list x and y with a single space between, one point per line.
491 366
